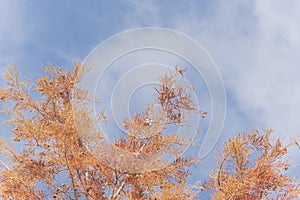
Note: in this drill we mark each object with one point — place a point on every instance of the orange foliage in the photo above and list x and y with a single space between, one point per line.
56 162
55 149
253 167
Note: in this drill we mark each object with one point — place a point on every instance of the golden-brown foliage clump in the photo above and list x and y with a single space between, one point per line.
253 167
55 162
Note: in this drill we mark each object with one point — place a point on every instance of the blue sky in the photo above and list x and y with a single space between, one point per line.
255 44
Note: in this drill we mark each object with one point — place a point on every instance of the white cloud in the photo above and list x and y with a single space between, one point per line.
279 22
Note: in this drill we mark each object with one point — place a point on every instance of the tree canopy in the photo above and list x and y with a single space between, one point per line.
66 157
